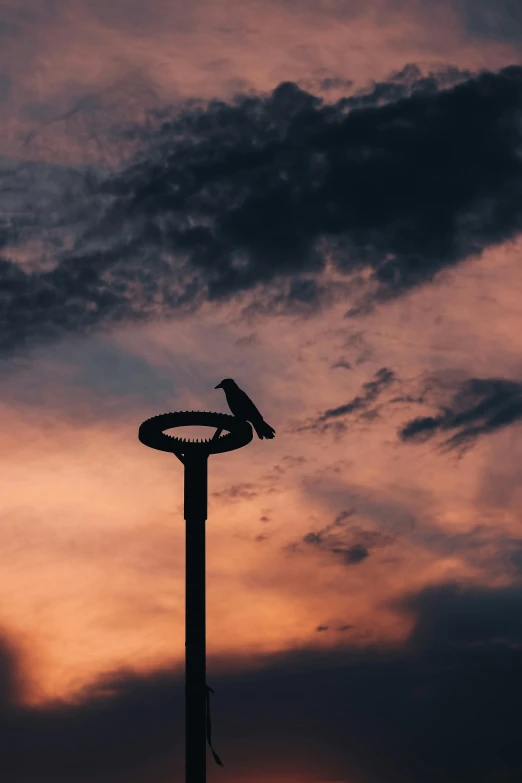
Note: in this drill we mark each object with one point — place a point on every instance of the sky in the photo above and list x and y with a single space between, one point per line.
321 200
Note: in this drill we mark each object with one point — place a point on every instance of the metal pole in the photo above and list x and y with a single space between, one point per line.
196 492
194 457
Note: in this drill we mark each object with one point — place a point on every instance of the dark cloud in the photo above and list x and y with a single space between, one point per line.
516 556
451 616
345 538
479 406
443 708
292 461
11 679
371 390
362 405
400 186
498 19
239 492
342 515
251 197
335 83
247 341
125 728
353 554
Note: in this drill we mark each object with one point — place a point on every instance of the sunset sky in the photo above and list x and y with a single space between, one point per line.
321 199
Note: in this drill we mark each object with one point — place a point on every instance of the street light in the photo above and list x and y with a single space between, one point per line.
194 456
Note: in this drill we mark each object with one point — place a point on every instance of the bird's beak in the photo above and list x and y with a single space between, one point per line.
219 386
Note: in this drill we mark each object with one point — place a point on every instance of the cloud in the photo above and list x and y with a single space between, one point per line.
498 19
444 707
255 190
124 728
266 197
345 538
480 406
238 492
362 404
11 680
371 391
70 373
376 516
353 554
452 616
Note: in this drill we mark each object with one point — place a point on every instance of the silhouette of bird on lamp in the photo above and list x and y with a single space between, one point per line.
242 406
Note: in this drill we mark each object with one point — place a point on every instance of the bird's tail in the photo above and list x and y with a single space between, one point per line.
263 429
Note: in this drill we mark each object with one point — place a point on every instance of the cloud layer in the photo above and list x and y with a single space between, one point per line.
443 708
479 406
270 196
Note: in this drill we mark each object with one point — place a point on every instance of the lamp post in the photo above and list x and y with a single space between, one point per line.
194 456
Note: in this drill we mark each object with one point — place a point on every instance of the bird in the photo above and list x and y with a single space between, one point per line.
242 406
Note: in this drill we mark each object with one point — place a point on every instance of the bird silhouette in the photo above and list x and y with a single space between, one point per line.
242 406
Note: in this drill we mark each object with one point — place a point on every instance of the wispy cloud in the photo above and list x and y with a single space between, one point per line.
371 391
480 406
346 539
361 405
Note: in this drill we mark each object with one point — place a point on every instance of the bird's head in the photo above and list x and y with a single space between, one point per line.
225 384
